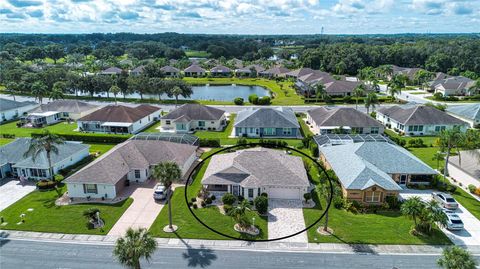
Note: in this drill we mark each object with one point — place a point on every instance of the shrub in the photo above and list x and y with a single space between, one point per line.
90 137
261 204
314 149
46 184
438 96
194 199
347 99
203 204
266 100
307 196
209 142
416 143
241 141
190 204
58 178
208 201
91 213
229 199
227 209
195 206
477 191
264 194
393 202
253 99
338 202
213 197
240 198
238 101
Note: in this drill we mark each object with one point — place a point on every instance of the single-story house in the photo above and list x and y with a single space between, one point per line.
14 164
10 110
299 72
40 119
466 171
325 120
306 82
251 172
267 122
69 109
370 171
191 117
248 70
220 71
119 119
275 72
418 120
170 71
439 77
137 70
457 85
467 113
111 71
133 161
407 71
194 71
341 87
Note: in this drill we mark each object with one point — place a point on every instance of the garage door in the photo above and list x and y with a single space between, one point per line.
284 193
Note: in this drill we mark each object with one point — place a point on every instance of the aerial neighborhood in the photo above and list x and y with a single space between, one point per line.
256 147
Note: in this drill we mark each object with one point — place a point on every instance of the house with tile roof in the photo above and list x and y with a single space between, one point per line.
10 109
119 119
323 120
130 161
251 172
418 120
371 171
13 163
267 122
194 70
220 71
192 117
248 70
453 86
467 113
111 71
275 72
170 71
137 70
68 108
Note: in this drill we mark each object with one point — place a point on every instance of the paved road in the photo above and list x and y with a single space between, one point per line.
26 254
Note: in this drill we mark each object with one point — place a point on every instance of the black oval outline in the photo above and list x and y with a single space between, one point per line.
266 145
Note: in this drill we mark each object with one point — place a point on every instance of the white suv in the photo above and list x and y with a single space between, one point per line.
453 221
159 192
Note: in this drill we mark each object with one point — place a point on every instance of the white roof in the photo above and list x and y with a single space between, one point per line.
44 114
121 124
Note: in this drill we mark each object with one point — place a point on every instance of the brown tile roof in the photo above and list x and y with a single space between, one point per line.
119 113
195 112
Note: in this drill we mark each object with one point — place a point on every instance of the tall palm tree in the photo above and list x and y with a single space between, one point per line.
358 92
167 173
438 156
158 86
57 91
371 100
39 90
176 91
413 208
320 92
136 244
115 90
447 140
49 143
238 212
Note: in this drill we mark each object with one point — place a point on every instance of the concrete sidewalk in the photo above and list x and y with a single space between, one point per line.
239 245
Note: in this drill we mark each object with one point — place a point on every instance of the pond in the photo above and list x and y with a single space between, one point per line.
206 92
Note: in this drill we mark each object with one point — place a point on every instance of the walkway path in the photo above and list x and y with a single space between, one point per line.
142 212
285 217
12 191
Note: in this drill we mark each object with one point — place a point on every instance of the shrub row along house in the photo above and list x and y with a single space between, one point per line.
131 161
13 163
371 167
251 172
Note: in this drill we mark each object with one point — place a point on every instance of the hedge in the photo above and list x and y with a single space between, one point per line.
211 143
91 138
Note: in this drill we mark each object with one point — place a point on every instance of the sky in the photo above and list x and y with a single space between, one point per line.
240 16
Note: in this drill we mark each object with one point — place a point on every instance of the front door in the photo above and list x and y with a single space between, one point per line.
403 180
235 190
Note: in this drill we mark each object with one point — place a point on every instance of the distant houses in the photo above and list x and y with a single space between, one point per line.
68 109
111 71
275 72
170 71
192 117
220 71
454 86
418 120
11 110
119 119
267 122
194 71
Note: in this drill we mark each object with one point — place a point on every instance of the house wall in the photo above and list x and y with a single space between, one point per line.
75 190
144 174
89 126
361 195
6 115
251 132
218 125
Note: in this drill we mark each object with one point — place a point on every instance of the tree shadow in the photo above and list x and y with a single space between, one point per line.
4 238
201 257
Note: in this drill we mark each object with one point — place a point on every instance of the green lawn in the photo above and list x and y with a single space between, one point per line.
426 155
47 217
61 127
152 128
305 130
470 203
102 148
4 141
197 53
283 91
427 140
189 227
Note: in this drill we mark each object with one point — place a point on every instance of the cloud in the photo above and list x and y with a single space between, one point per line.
462 10
429 7
189 14
128 15
5 11
16 16
24 3
36 13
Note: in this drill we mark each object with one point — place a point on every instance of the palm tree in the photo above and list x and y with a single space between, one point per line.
324 191
48 142
39 90
438 156
394 90
371 100
115 90
456 258
447 140
57 91
167 173
136 244
358 92
413 208
432 214
176 91
238 213
320 92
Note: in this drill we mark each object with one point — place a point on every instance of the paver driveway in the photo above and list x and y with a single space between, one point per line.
285 217
142 212
469 236
12 191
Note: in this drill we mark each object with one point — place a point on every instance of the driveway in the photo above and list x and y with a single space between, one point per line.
469 236
285 217
12 191
142 212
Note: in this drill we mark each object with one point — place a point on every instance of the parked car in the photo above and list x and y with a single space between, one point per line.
453 221
159 192
446 200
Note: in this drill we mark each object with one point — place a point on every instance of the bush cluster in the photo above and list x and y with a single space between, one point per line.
261 204
209 142
254 99
416 143
238 101
229 199
46 184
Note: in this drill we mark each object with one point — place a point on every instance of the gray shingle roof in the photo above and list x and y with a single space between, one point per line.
195 112
419 115
340 86
112 70
341 116
471 112
13 153
280 117
169 69
359 165
277 70
132 154
300 72
194 69
220 69
6 104
470 162
255 168
71 106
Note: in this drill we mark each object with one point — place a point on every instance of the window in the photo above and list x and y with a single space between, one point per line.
137 173
415 128
410 128
420 128
34 172
251 130
374 130
90 188
357 130
372 196
250 193
258 192
269 131
287 131
167 122
201 123
439 128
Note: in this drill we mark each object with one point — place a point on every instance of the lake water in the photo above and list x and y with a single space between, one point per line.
206 92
